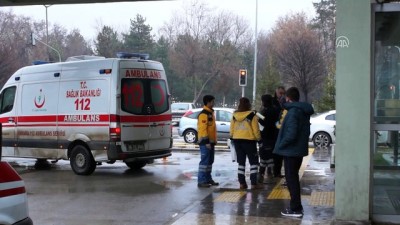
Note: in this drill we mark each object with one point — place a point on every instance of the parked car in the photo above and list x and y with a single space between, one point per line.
188 124
322 129
178 109
13 198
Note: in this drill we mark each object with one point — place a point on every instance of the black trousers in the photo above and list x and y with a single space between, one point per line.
246 149
266 159
292 168
277 165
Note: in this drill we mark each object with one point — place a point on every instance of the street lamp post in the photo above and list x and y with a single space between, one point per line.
255 58
47 30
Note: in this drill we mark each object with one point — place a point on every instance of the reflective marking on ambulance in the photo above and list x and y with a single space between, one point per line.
85 120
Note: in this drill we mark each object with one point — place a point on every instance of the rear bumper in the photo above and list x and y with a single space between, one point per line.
115 153
149 157
26 221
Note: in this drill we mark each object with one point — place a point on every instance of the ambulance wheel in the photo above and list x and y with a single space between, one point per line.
190 136
137 165
82 162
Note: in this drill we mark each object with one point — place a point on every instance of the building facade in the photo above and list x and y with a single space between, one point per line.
367 182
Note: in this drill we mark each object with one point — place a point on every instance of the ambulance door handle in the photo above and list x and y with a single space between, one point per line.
56 74
11 120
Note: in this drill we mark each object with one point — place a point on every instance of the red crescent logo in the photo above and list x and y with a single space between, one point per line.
39 105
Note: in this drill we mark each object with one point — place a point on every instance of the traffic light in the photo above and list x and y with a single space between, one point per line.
242 77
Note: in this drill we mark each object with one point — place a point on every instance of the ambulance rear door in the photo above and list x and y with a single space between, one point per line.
160 131
134 111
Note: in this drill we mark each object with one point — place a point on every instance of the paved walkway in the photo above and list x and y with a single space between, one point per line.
229 205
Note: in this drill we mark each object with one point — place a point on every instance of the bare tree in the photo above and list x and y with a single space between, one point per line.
15 51
206 47
75 44
298 53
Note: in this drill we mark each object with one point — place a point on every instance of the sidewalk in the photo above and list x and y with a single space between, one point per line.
229 205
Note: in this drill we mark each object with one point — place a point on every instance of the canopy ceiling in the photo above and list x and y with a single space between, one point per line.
50 2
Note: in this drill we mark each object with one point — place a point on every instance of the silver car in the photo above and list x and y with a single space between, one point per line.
188 124
13 197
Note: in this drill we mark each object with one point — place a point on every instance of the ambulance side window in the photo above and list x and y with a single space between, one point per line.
7 99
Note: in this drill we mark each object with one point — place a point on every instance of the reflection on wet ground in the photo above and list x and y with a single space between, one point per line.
225 204
229 205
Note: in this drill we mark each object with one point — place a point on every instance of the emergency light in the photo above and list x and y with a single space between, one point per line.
126 55
40 62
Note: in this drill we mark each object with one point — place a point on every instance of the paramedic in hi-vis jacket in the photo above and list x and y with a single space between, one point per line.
245 133
207 135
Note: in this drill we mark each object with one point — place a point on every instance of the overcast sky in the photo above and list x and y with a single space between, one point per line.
88 17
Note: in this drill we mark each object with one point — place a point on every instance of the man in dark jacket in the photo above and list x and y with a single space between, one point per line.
292 144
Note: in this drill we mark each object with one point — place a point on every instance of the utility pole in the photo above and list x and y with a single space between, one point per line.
255 58
47 30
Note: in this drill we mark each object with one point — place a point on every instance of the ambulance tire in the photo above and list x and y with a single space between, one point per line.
137 165
81 160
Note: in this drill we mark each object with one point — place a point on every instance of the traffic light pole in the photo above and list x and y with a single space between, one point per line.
242 91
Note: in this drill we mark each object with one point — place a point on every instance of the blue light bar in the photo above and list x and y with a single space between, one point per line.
40 62
126 55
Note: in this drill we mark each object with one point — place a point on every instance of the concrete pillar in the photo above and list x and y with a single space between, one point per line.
353 99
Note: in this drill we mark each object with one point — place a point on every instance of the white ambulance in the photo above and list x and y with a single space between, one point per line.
88 110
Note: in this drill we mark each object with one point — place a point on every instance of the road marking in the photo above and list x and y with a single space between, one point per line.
230 196
320 198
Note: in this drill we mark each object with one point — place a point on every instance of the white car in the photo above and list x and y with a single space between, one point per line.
188 124
322 129
13 198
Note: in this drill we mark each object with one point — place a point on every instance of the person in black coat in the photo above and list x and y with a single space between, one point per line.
278 101
269 135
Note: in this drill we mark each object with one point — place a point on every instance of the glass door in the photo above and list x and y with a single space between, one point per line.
386 111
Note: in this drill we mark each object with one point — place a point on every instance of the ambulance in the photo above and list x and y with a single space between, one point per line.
88 110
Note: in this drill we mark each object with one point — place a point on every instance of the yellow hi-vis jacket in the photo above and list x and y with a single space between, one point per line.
282 117
244 126
206 127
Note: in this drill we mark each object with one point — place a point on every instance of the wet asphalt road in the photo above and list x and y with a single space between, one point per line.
114 194
160 193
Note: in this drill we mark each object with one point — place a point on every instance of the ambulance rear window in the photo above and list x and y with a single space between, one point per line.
144 96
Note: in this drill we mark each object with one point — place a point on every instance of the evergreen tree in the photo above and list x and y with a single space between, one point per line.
107 43
75 44
139 38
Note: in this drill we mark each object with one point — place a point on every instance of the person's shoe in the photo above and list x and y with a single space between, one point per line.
256 187
290 213
243 186
213 183
203 185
